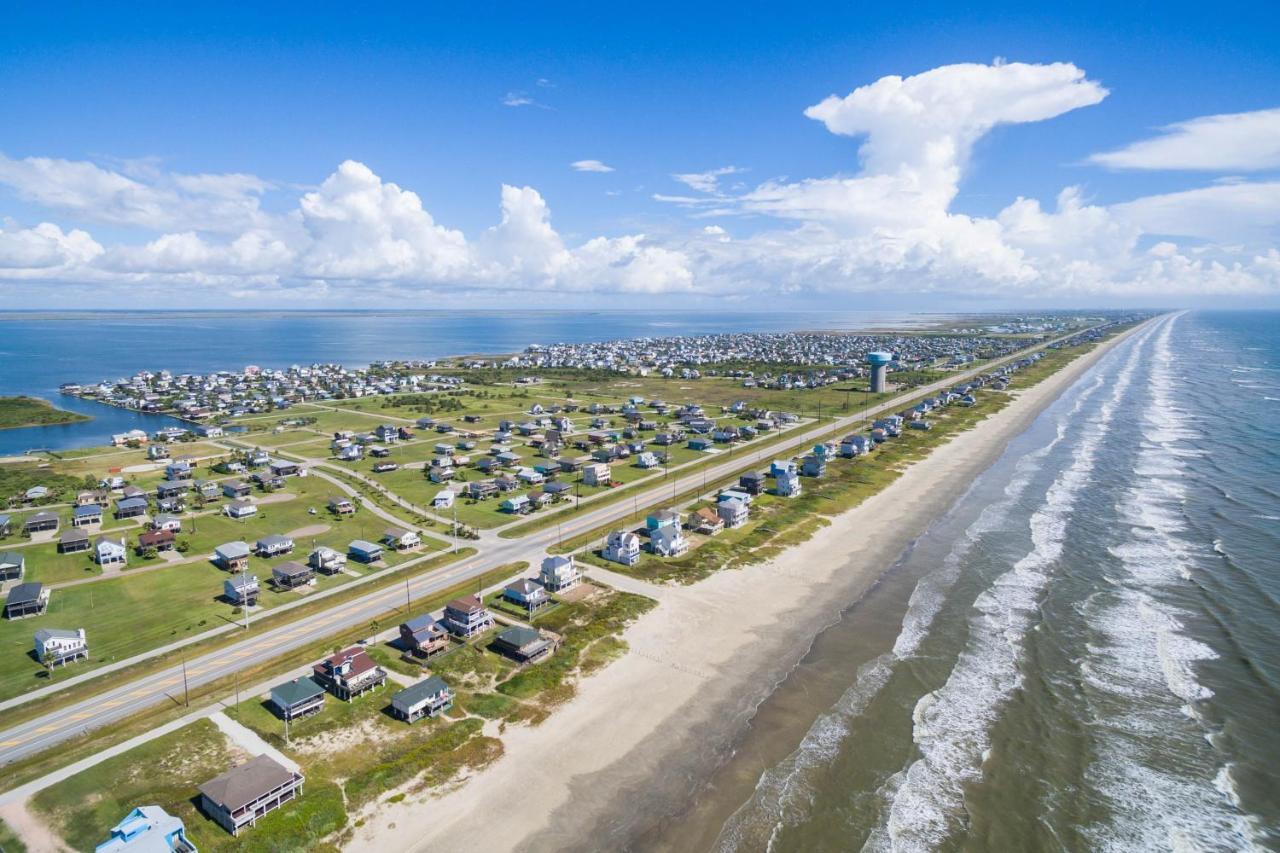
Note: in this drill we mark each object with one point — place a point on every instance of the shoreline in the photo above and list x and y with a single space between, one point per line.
640 737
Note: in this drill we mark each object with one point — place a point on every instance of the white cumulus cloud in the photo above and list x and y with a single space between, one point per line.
590 166
890 224
1228 142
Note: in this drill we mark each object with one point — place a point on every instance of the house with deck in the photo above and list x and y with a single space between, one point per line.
467 616
340 505
706 521
13 564
399 539
40 522
813 465
597 474
273 545
168 522
292 575
240 510
26 599
427 698
232 556
559 573
422 636
527 594
84 516
110 552
786 480
523 644
241 590
159 540
327 561
349 673
668 541
298 697
244 794
623 547
235 489
172 488
733 512
363 551
58 646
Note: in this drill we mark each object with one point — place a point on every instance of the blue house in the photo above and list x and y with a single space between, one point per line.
148 828
813 465
662 518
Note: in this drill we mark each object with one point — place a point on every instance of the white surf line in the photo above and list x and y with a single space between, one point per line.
952 724
1148 661
783 791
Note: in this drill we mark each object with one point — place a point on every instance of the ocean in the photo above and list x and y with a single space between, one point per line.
1083 654
40 351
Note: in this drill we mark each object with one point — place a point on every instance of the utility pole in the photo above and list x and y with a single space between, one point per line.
407 601
244 594
455 525
186 695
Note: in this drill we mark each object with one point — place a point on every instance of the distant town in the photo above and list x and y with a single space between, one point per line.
786 361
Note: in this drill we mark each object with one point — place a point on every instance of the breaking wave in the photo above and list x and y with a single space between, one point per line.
952 723
785 790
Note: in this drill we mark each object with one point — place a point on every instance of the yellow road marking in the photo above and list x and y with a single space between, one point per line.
83 715
44 729
10 742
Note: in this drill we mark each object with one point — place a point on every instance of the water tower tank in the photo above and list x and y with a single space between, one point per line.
879 363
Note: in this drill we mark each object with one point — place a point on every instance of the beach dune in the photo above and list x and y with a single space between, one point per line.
634 744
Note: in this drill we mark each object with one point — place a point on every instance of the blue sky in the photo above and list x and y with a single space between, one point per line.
454 104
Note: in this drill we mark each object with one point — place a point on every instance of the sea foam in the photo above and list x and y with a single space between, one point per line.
1143 672
953 723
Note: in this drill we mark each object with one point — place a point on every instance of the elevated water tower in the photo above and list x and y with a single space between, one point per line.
879 364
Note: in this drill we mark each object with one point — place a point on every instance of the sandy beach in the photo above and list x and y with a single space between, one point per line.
633 743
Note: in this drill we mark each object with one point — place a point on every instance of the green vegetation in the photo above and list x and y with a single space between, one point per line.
17 478
163 772
167 772
23 411
9 841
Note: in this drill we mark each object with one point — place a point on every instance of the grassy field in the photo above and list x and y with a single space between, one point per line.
25 411
9 841
141 609
167 772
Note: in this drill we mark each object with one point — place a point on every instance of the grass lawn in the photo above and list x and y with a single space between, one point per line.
167 772
9 841
138 611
